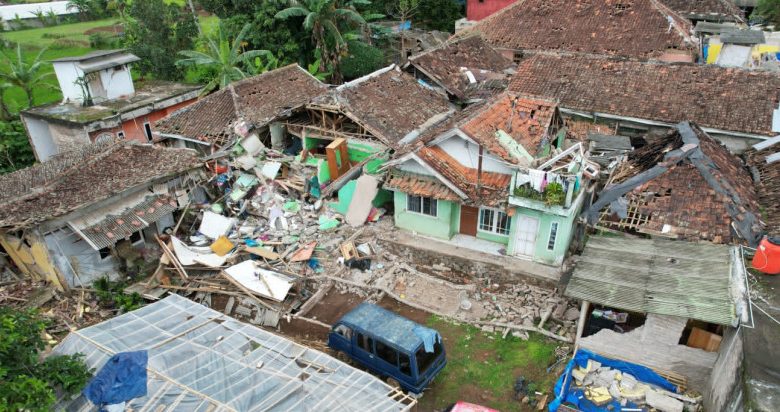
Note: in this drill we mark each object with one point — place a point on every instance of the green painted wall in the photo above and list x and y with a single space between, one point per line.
440 226
494 237
563 238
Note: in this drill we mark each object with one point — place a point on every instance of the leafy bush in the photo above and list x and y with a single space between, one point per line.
554 194
52 36
15 150
26 384
61 44
112 295
102 40
362 60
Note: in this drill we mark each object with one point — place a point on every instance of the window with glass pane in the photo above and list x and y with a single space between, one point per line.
496 221
424 205
429 206
386 353
414 203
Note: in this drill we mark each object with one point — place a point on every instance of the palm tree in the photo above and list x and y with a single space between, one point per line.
26 75
322 19
5 114
224 59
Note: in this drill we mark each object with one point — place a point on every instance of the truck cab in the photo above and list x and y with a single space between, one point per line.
396 348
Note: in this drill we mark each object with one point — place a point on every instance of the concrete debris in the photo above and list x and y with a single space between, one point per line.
663 403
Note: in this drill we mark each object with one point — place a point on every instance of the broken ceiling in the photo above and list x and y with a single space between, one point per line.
686 186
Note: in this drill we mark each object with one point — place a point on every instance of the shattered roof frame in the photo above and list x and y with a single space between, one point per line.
203 360
665 277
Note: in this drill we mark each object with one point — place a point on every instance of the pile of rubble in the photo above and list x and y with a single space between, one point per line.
603 385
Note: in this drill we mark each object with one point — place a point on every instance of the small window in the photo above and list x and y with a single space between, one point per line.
494 221
344 331
366 343
386 353
136 237
404 364
120 135
426 359
104 253
553 236
148 131
423 205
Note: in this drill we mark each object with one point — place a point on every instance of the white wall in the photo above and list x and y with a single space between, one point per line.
117 82
412 166
40 136
467 154
67 73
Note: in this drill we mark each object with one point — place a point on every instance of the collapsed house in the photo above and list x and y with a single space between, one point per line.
644 29
101 102
80 215
202 360
685 186
764 162
738 107
466 69
672 306
492 173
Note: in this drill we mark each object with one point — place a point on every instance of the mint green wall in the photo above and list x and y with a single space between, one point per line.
492 236
563 238
440 226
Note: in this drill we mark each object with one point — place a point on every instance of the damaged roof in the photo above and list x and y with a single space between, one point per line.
526 120
686 186
664 277
722 10
447 65
258 100
638 28
767 184
84 176
388 103
727 99
487 188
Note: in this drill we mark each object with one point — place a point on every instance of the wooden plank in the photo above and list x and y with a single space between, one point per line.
262 252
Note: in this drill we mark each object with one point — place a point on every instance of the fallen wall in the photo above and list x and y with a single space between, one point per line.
655 344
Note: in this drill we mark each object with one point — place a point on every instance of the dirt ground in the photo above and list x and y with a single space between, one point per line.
481 368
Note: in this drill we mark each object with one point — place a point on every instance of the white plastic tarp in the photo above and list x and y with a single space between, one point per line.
215 225
191 255
264 282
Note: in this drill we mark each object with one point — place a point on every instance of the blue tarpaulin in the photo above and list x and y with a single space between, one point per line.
122 378
565 394
428 336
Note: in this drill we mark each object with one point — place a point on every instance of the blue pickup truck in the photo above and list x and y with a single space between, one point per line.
405 353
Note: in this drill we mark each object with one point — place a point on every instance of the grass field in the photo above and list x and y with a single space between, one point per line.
76 43
483 368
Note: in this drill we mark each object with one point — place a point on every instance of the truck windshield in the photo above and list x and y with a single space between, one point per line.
426 359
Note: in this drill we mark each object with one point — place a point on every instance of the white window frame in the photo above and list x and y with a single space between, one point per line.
434 205
494 229
552 236
149 136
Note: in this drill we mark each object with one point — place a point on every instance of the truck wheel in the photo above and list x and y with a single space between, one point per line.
392 382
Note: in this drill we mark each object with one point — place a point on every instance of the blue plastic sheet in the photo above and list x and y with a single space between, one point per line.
428 336
121 379
564 393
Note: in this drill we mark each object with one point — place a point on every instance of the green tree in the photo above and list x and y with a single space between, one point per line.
26 382
769 10
83 7
156 32
325 20
24 74
362 60
225 59
15 150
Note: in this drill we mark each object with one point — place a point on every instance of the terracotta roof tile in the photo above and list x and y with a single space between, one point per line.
419 185
526 120
444 65
636 28
493 187
768 186
698 197
729 99
389 104
258 100
87 175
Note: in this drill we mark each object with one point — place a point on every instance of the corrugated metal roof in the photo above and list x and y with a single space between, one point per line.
114 228
689 280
